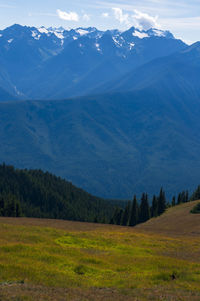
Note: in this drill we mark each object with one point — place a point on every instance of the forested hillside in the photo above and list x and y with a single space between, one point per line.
112 145
33 193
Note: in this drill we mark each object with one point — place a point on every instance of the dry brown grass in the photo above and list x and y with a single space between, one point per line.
177 221
27 292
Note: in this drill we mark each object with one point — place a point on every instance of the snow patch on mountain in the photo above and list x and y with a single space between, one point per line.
131 45
140 35
159 33
117 42
82 32
36 35
97 45
43 30
59 35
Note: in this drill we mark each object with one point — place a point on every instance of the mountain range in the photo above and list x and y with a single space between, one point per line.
40 63
116 113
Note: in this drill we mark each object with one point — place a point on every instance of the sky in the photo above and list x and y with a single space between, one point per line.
181 17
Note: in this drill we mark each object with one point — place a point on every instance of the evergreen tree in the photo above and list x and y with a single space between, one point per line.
179 199
18 210
126 215
117 216
10 208
95 220
186 196
134 218
161 202
174 201
154 207
196 195
182 197
2 206
144 209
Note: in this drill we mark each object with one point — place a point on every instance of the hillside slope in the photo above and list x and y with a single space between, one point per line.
111 145
174 222
33 193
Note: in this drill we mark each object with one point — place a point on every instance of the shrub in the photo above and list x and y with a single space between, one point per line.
196 209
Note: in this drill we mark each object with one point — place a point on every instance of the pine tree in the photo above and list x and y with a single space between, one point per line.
154 207
196 195
161 202
10 209
126 215
2 206
18 210
174 201
144 209
117 216
95 220
134 213
179 199
187 196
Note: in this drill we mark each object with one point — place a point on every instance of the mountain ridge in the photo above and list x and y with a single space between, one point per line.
56 63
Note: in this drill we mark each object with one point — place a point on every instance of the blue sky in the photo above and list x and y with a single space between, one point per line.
181 17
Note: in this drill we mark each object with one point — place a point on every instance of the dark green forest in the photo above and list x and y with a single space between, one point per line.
34 193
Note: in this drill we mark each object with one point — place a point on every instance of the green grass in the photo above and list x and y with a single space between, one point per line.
118 259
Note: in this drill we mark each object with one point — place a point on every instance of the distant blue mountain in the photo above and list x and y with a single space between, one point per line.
49 63
178 73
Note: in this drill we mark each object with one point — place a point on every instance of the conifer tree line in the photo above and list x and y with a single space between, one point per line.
34 193
140 211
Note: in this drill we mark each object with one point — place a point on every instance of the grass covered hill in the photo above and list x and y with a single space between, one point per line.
63 260
34 193
176 221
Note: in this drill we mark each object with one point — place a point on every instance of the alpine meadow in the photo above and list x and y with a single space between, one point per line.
99 150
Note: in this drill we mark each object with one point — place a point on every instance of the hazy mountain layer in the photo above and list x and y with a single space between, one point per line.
112 145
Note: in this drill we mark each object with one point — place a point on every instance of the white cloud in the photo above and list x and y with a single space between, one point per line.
120 16
144 21
68 16
139 19
105 15
86 17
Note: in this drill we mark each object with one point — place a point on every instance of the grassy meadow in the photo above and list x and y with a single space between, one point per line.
60 260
